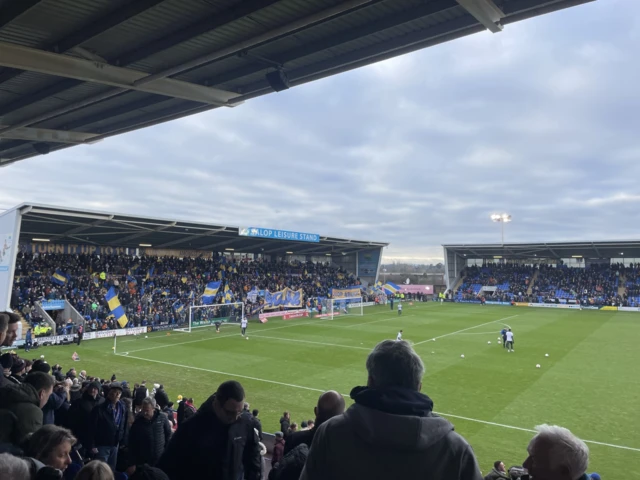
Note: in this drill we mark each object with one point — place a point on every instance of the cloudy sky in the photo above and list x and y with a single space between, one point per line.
540 121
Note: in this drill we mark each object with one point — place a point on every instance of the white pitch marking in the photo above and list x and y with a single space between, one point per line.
464 330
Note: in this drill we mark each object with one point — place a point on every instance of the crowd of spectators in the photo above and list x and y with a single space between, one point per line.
597 284
149 288
56 425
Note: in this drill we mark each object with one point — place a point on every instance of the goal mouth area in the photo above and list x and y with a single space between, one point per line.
201 316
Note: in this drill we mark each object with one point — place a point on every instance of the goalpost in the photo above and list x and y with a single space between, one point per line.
333 307
208 315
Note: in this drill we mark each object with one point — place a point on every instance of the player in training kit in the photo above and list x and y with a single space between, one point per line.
218 324
399 336
399 309
243 325
509 341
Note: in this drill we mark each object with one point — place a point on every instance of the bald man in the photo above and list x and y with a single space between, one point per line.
330 404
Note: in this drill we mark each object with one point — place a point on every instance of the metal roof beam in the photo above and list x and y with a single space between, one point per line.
332 41
150 231
26 58
191 31
190 238
15 9
47 135
486 12
88 32
596 250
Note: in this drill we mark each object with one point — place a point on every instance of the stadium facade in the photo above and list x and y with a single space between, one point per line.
37 228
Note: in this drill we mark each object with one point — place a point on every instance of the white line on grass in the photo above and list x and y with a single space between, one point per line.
475 420
478 333
377 321
306 322
464 330
282 339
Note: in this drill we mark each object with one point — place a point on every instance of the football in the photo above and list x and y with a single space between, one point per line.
538 366
489 342
546 354
462 356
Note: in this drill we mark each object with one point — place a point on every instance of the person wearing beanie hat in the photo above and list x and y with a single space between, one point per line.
145 472
17 370
41 366
7 362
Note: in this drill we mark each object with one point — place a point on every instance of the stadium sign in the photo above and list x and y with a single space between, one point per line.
110 333
264 316
628 309
52 305
489 302
278 234
554 305
300 314
358 305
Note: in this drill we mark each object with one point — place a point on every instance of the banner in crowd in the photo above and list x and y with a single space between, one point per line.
74 249
286 298
59 277
349 292
391 288
210 293
52 305
116 309
160 252
368 261
278 234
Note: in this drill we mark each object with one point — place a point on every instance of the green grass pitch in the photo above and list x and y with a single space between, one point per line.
589 383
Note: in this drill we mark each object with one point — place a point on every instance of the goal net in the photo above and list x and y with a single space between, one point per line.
333 307
209 315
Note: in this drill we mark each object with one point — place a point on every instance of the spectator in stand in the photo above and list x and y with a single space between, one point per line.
189 409
108 427
21 407
278 450
145 472
293 428
162 399
285 423
498 472
310 424
330 404
95 470
52 446
390 415
139 394
79 417
12 329
556 454
58 401
149 435
170 413
218 442
257 424
4 325
13 468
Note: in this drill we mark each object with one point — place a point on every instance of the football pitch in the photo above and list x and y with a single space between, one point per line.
589 383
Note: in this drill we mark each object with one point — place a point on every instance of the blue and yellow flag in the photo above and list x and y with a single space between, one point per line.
391 288
116 309
150 272
59 277
178 307
210 292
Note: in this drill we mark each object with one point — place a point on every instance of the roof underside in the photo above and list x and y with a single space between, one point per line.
77 71
551 250
65 225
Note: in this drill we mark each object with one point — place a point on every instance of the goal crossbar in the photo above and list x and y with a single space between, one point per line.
201 316
343 306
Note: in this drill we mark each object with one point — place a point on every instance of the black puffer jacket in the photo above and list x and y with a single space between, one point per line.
162 399
80 414
148 439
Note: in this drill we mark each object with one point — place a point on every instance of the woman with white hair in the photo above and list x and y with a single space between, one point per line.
13 468
557 454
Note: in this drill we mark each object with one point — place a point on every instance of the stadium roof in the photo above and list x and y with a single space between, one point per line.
68 225
78 71
552 250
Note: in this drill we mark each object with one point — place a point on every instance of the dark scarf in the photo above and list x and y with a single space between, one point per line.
394 400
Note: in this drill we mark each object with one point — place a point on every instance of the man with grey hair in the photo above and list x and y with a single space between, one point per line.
391 430
557 454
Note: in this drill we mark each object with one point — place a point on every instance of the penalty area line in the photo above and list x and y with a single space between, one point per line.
311 389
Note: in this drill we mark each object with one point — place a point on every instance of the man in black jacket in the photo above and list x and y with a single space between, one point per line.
162 399
80 414
149 435
107 427
217 442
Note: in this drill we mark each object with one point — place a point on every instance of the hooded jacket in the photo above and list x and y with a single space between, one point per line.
389 433
203 448
20 413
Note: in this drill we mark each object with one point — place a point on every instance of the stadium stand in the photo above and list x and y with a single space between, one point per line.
149 287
